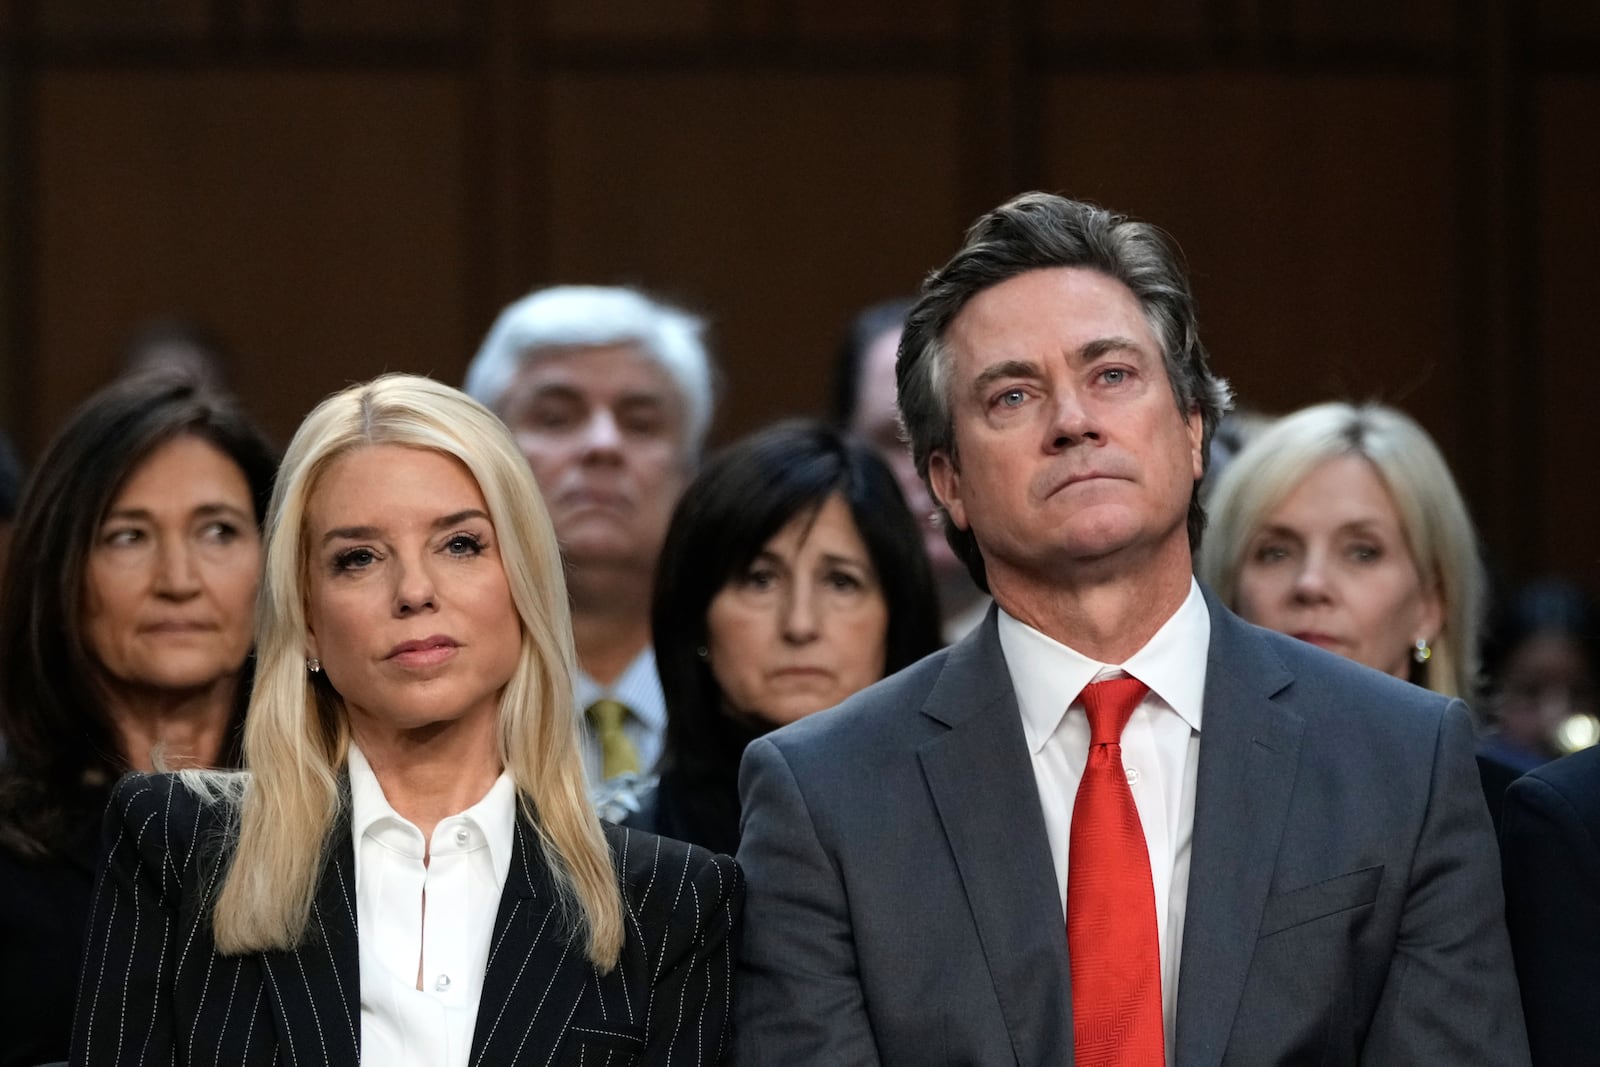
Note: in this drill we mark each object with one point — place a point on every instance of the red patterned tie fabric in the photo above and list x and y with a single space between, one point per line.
1111 900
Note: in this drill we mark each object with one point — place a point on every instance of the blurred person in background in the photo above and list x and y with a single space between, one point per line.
127 626
864 404
408 872
1341 525
792 577
1542 663
1550 863
1237 428
609 395
10 490
180 347
10 493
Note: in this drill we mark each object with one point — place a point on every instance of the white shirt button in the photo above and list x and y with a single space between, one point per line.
463 835
441 983
1133 775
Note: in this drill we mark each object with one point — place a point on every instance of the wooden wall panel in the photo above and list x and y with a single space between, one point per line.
1383 23
1565 451
1567 22
117 19
1315 213
14 265
628 19
1146 21
934 20
777 205
315 220
442 20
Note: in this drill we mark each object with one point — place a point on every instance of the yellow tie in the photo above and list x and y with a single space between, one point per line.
617 754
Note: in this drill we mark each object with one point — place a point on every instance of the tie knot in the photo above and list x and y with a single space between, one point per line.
607 715
1109 705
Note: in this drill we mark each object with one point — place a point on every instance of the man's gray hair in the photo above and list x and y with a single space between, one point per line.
1038 231
574 316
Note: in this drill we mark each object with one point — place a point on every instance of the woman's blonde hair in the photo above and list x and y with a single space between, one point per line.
296 732
1433 517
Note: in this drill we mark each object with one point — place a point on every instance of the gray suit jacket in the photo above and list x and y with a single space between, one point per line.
1344 904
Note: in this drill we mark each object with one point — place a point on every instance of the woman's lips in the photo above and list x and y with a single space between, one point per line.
178 626
424 653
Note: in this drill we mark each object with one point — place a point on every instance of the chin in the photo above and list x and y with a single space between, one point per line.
180 681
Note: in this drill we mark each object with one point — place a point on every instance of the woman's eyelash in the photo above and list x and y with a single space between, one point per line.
472 543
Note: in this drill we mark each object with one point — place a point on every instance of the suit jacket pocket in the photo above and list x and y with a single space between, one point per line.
1320 899
614 1044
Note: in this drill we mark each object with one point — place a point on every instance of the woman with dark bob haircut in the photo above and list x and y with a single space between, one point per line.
126 625
792 576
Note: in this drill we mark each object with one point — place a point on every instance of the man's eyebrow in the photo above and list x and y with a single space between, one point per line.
1105 346
1006 368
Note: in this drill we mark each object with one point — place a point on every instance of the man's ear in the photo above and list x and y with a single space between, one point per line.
945 478
1197 439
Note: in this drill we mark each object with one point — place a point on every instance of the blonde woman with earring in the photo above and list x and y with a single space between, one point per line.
407 871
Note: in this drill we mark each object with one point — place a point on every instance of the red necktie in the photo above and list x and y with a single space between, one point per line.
1111 900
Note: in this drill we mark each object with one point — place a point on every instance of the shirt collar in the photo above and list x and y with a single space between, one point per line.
638 688
494 816
1047 675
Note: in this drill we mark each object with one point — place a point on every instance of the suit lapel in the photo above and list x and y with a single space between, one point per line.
315 990
982 783
535 976
1249 751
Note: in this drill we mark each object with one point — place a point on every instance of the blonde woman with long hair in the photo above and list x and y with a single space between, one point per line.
1341 525
408 870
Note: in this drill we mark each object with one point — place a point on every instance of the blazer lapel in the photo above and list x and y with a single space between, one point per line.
315 990
982 783
536 976
1249 751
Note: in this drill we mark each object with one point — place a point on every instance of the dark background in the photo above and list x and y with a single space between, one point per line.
1377 198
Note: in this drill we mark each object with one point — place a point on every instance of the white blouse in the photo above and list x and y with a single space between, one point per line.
441 913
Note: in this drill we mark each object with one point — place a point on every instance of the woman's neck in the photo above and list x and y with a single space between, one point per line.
433 772
184 728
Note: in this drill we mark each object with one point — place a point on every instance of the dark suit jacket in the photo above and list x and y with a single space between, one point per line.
1550 841
1343 903
43 907
155 990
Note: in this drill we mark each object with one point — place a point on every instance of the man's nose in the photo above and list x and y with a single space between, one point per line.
601 433
1071 420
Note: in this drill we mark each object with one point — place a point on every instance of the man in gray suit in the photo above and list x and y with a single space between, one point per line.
1304 870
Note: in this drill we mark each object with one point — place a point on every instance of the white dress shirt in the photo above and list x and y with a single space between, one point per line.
1160 752
440 913
638 689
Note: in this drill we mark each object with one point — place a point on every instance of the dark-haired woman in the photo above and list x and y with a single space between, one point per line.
792 576
126 629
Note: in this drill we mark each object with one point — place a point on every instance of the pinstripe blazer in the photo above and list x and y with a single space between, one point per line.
154 989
